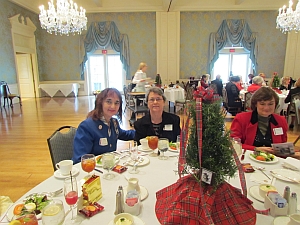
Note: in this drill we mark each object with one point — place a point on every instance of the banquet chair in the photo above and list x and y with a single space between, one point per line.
5 93
230 109
188 97
128 102
247 103
61 144
294 107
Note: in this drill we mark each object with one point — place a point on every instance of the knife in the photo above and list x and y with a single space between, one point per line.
287 177
243 155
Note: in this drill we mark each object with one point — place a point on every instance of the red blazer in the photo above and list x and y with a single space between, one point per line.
253 87
245 126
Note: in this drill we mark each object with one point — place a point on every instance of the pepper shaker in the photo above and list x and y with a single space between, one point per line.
293 204
286 193
118 203
122 197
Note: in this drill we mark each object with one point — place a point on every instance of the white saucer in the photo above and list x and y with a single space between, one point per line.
57 174
144 192
145 162
281 220
254 192
137 221
140 148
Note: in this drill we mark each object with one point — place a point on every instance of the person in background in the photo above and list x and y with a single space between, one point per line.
263 77
219 85
240 83
157 122
250 76
261 127
291 84
257 83
99 132
233 92
204 81
288 99
140 77
285 83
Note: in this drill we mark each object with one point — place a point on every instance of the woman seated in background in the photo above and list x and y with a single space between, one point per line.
288 99
204 81
157 122
233 93
261 127
285 83
100 132
263 76
256 84
250 77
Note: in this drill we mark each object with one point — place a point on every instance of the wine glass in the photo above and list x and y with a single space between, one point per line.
237 145
71 195
134 157
53 213
108 162
88 163
153 142
163 146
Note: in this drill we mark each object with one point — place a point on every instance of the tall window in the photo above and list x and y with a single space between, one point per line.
233 61
105 70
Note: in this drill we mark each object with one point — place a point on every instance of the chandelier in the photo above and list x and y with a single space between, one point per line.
65 19
288 19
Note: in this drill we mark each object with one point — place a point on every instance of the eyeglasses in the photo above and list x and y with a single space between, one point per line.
155 99
110 102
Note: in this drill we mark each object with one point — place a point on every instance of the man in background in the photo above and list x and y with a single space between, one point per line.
218 83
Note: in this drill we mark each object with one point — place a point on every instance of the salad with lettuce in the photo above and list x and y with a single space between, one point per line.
262 156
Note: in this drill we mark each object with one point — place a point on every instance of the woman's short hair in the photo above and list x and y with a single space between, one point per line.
142 65
285 79
297 84
97 112
257 80
264 94
156 90
250 75
262 75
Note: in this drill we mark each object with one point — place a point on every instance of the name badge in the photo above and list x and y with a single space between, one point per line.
278 131
168 127
103 141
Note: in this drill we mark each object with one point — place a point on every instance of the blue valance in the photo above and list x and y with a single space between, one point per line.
104 34
235 32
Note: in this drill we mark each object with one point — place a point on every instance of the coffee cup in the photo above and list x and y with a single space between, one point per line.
144 143
64 167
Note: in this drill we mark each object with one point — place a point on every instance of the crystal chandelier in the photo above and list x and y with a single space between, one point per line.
288 19
65 19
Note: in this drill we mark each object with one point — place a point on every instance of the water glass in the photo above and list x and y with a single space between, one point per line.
237 145
178 143
163 146
133 150
53 213
108 162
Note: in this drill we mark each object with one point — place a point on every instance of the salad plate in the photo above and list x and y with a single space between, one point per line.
137 221
254 192
146 161
140 148
99 160
275 160
173 150
57 174
286 175
281 220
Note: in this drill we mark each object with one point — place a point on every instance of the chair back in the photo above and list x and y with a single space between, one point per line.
61 144
225 99
294 106
189 93
247 103
4 89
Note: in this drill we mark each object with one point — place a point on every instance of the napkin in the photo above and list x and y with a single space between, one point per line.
291 163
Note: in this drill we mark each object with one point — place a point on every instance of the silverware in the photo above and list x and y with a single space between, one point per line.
49 194
289 178
261 170
98 170
243 155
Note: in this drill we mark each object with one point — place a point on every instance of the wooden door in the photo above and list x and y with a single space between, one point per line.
25 75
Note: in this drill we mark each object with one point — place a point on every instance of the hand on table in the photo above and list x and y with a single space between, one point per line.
265 149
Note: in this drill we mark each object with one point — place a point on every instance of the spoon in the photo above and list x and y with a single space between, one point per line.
261 169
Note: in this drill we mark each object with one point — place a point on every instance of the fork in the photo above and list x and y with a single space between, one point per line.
53 193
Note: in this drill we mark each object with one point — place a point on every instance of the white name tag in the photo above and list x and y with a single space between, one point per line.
168 127
278 131
103 141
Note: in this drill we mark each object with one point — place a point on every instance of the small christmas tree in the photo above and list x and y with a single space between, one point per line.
217 152
276 80
158 80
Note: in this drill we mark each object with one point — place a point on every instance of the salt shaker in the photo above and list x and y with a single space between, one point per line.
120 188
293 204
118 203
286 193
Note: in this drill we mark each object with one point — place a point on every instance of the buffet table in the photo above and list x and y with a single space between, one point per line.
66 89
155 176
173 94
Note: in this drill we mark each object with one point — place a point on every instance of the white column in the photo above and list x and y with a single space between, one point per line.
292 56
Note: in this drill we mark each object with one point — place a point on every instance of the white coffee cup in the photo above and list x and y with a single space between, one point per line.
65 166
144 143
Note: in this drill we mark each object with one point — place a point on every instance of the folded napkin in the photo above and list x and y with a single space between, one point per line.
292 163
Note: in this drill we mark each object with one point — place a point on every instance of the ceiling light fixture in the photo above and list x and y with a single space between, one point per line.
66 19
288 19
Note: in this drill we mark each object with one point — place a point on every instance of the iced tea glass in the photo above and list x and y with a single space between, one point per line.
153 144
88 163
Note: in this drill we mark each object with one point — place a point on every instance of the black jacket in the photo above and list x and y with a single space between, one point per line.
144 128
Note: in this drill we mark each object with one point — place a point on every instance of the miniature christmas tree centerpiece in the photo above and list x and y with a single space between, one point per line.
158 80
276 80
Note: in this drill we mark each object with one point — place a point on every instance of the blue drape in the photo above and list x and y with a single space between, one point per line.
235 32
104 34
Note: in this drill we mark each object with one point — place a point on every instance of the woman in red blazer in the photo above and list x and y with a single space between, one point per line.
261 127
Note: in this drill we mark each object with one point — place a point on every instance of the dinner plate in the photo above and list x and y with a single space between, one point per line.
137 221
146 161
117 160
286 175
10 212
140 148
57 174
143 191
254 192
281 220
267 162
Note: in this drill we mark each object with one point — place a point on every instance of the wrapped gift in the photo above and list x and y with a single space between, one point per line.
91 190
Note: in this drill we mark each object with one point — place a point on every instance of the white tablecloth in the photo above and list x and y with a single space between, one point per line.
65 89
173 94
155 176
